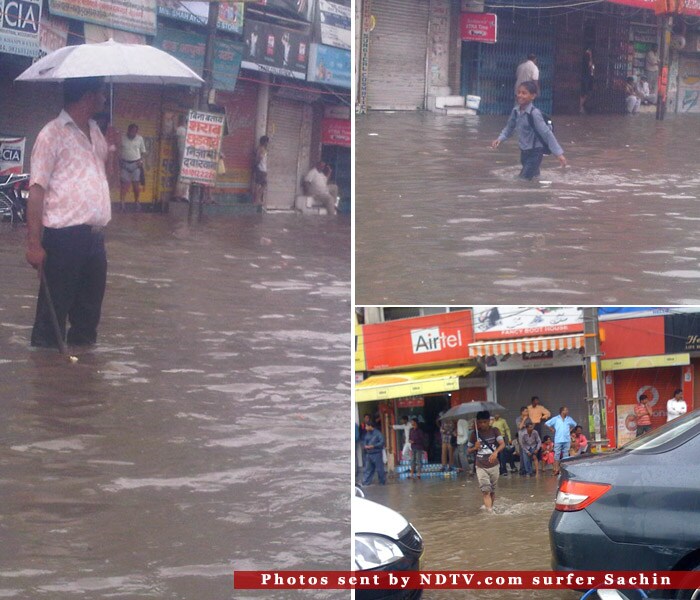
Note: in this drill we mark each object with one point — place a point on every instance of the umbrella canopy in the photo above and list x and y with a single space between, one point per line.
116 62
469 409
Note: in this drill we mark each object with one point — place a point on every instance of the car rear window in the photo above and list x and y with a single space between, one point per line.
670 435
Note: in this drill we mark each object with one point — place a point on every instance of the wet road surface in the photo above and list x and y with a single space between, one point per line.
459 536
204 432
440 215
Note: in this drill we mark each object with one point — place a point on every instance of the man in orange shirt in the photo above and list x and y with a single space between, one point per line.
643 413
537 414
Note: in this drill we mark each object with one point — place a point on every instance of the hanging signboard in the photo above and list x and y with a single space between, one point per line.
274 49
335 22
202 144
230 13
19 27
329 65
478 27
336 132
138 16
297 8
11 155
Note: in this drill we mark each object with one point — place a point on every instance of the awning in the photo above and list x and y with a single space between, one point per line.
413 383
540 344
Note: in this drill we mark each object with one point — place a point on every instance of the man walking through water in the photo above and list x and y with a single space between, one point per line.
487 442
68 207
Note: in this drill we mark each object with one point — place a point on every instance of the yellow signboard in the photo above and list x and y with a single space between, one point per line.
360 362
645 362
414 383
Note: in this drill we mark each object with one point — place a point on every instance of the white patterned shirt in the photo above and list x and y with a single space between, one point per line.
70 168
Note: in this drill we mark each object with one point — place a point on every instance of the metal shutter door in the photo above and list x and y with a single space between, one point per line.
284 128
560 386
398 49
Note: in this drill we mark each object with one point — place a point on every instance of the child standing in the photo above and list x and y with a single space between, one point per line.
531 141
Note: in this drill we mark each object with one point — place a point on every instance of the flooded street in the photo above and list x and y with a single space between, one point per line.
194 439
439 214
459 536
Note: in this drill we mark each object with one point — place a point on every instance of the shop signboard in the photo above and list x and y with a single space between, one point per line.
360 364
303 9
690 7
633 336
230 13
275 49
95 34
626 424
53 33
329 65
478 27
506 322
11 154
335 22
202 144
138 16
336 132
544 359
19 27
433 339
645 362
682 332
190 47
410 402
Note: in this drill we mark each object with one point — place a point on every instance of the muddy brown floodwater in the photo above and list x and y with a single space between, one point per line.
440 215
459 536
205 431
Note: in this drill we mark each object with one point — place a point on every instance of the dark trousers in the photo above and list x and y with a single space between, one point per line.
374 462
531 161
505 457
76 271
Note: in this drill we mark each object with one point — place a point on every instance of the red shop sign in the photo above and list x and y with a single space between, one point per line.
410 403
336 132
478 27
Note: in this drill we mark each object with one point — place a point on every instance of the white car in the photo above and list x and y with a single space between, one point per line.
384 541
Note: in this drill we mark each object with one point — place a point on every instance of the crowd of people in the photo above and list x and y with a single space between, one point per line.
490 451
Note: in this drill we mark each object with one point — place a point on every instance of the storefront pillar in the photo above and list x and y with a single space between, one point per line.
263 107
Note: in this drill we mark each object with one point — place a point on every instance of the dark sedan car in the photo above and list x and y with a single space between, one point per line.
637 508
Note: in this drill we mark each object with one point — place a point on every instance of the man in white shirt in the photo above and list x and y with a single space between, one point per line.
133 149
528 71
676 406
644 92
316 185
651 66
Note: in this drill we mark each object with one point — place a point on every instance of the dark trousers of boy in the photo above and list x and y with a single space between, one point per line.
531 160
504 458
375 461
76 271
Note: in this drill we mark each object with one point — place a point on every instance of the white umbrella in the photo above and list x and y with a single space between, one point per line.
116 62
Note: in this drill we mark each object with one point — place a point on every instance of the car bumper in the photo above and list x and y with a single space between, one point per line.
405 564
579 544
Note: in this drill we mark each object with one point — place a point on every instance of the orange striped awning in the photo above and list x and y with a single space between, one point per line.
520 345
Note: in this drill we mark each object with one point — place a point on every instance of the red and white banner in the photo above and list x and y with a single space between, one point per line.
202 145
434 339
464 580
336 132
11 155
478 27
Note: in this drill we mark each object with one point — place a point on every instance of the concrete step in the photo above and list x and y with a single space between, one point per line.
448 101
453 111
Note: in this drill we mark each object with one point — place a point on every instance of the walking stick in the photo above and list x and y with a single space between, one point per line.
62 348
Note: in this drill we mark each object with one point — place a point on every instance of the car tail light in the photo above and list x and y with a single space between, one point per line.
577 495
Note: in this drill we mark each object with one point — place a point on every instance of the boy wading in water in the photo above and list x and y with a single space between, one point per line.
531 141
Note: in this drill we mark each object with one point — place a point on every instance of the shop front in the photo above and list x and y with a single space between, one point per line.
652 352
418 367
532 351
423 395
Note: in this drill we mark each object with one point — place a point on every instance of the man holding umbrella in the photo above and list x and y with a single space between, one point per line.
487 442
69 205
